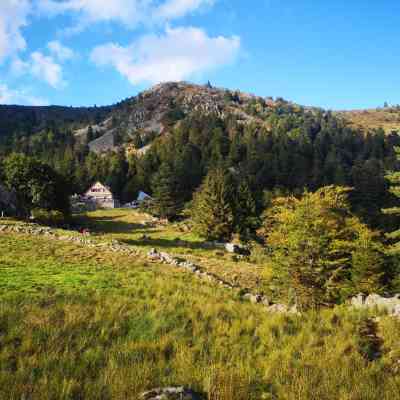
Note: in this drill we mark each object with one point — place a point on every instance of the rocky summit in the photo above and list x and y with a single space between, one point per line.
134 122
155 111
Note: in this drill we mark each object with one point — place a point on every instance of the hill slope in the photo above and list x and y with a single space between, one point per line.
155 111
79 323
136 121
27 120
386 118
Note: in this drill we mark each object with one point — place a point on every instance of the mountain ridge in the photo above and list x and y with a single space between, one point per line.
135 122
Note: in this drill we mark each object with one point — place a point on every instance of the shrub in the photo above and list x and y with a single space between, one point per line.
46 217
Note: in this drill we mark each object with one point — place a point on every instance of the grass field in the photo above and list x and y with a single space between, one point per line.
386 118
79 324
135 228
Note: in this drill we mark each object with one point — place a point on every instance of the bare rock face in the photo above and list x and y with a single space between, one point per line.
103 143
157 110
171 393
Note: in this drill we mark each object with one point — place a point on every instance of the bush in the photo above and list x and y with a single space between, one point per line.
46 217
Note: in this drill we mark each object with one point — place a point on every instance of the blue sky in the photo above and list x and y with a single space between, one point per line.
334 54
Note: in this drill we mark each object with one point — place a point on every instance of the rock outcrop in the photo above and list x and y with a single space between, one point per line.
374 301
157 110
171 393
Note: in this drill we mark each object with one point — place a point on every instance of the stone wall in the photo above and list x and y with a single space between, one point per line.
373 301
391 305
152 255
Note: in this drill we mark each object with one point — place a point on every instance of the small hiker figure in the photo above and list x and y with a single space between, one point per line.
84 231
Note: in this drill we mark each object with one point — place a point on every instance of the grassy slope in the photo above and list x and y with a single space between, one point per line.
129 227
77 324
386 118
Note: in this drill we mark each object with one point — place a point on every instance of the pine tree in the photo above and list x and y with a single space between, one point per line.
212 210
137 141
245 212
166 197
90 134
394 178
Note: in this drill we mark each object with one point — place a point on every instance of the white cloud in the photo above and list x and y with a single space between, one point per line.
9 96
19 67
45 68
42 67
172 9
128 12
13 17
178 54
60 51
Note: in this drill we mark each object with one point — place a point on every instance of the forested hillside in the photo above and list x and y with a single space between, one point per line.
274 144
18 122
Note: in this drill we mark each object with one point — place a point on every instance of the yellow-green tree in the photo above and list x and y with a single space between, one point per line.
368 267
318 247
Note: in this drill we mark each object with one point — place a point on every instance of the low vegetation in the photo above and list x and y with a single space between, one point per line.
386 118
320 252
307 203
76 323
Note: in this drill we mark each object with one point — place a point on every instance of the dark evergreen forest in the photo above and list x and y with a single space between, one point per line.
293 149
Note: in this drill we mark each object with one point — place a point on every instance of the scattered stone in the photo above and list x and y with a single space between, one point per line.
231 248
278 308
171 393
265 301
236 249
155 255
253 298
389 304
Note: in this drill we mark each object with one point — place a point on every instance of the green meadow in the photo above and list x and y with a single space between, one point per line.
79 323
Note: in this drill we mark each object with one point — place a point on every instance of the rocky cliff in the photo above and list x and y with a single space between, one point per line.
155 111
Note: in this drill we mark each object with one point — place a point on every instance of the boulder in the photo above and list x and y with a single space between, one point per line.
231 248
153 254
253 298
171 393
265 301
388 304
236 249
278 309
358 301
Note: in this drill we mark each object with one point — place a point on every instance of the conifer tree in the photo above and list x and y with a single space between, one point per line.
394 178
245 212
166 196
212 211
90 134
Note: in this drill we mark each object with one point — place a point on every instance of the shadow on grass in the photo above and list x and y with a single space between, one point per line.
110 224
169 243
